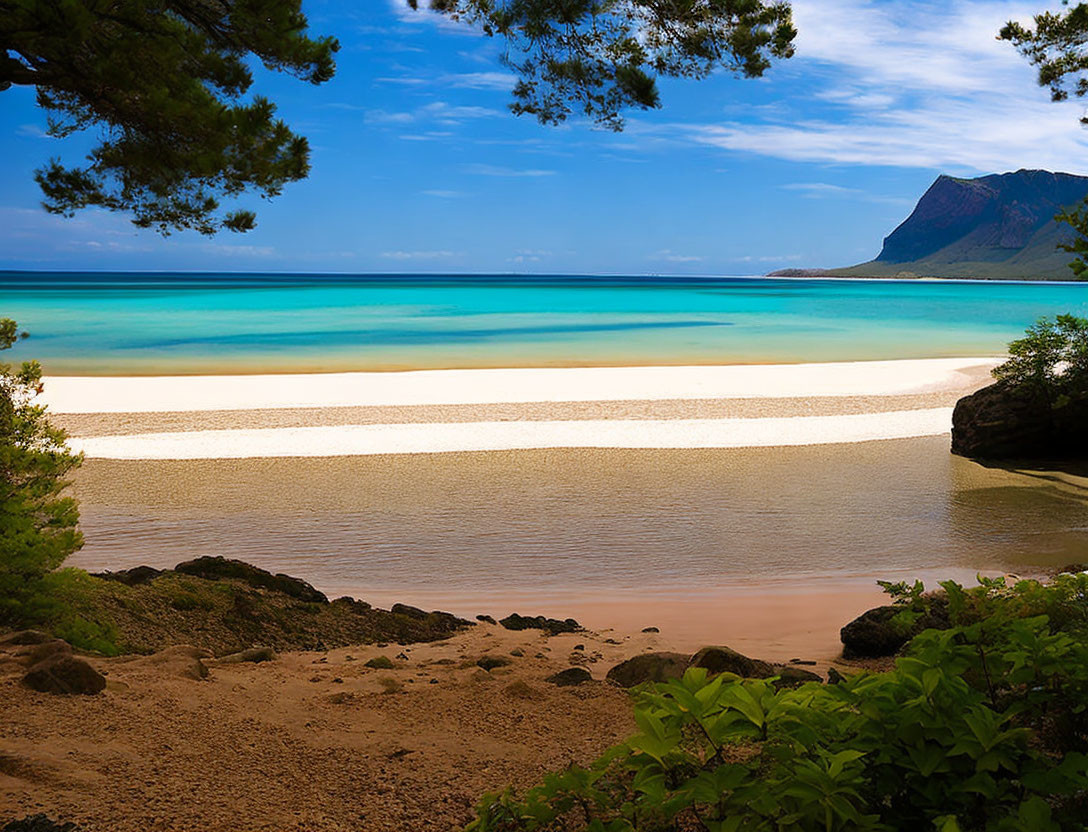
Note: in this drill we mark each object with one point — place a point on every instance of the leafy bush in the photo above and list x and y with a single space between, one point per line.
979 727
1052 357
38 524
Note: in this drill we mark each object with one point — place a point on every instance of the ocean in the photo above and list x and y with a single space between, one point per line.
105 324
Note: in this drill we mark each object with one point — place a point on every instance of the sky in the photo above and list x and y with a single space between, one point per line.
418 166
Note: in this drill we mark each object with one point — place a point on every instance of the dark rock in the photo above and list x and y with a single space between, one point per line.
791 677
579 647
650 630
610 641
570 676
135 576
487 619
352 604
220 568
23 638
491 662
874 633
648 667
517 651
726 660
802 661
256 655
38 823
411 612
550 625
66 674
1006 422
45 650
834 677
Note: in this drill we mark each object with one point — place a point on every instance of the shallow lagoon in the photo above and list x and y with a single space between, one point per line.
147 324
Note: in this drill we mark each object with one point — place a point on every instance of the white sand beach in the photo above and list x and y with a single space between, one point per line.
443 411
147 394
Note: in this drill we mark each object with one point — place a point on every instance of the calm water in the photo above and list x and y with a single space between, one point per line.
562 522
102 324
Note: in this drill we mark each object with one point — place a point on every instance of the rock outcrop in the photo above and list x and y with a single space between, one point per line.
216 568
553 626
1006 422
570 677
660 667
649 667
875 633
65 674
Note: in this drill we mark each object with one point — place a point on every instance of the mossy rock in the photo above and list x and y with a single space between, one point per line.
220 568
380 663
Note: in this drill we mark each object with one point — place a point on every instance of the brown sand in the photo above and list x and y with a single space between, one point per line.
114 424
310 741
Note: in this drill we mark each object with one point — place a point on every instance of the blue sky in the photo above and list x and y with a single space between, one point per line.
418 167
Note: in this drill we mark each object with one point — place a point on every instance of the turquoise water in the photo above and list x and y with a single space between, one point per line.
161 323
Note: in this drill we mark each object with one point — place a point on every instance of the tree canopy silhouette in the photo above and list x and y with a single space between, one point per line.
600 57
166 83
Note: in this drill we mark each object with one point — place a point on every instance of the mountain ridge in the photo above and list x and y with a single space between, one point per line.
999 226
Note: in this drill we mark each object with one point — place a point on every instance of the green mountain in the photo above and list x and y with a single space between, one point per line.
998 226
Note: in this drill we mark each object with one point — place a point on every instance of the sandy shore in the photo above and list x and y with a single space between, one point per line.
313 742
358 414
143 394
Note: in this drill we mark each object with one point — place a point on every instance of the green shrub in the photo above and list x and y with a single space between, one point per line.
1051 359
38 522
978 727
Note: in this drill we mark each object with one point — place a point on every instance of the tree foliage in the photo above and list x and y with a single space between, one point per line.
165 81
1057 44
1051 359
38 523
979 727
600 57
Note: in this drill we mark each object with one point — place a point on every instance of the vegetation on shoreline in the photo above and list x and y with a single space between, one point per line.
39 523
983 726
224 615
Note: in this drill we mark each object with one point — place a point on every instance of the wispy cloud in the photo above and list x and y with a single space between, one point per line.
914 85
31 130
420 255
669 256
439 112
228 250
528 256
826 190
443 194
497 170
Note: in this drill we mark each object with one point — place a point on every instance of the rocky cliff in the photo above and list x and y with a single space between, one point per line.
998 226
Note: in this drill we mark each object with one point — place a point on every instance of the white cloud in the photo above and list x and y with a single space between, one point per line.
480 80
31 130
443 194
419 255
227 250
921 84
439 112
496 170
671 257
